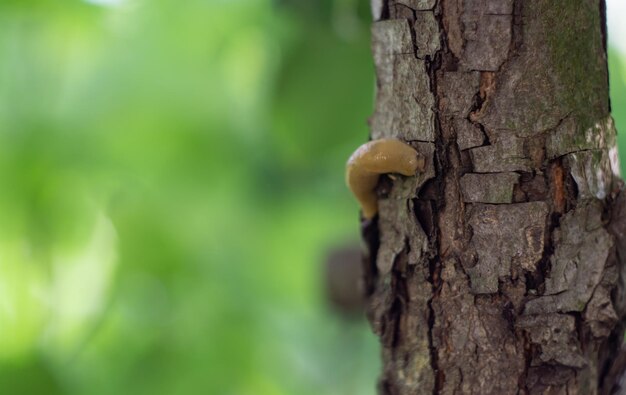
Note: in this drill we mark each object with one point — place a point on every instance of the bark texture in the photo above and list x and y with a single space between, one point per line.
498 270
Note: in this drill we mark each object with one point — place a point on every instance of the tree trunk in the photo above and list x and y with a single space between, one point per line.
497 270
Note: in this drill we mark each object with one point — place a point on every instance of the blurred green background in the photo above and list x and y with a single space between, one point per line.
172 178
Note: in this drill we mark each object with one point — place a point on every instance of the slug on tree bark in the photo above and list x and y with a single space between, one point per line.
371 160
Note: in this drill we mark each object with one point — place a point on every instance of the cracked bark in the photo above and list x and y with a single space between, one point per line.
500 270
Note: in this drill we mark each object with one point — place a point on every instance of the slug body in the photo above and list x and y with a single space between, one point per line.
371 160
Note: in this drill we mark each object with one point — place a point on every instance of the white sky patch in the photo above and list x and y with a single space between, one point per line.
615 15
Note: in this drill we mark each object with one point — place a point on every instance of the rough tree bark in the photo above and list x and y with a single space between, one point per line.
497 271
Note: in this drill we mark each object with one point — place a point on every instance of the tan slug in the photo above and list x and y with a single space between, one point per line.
371 160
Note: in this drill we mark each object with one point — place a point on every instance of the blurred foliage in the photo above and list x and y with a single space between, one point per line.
173 179
617 81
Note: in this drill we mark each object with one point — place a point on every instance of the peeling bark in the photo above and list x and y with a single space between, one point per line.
501 269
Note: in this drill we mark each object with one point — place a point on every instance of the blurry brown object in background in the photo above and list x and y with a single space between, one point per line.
344 280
